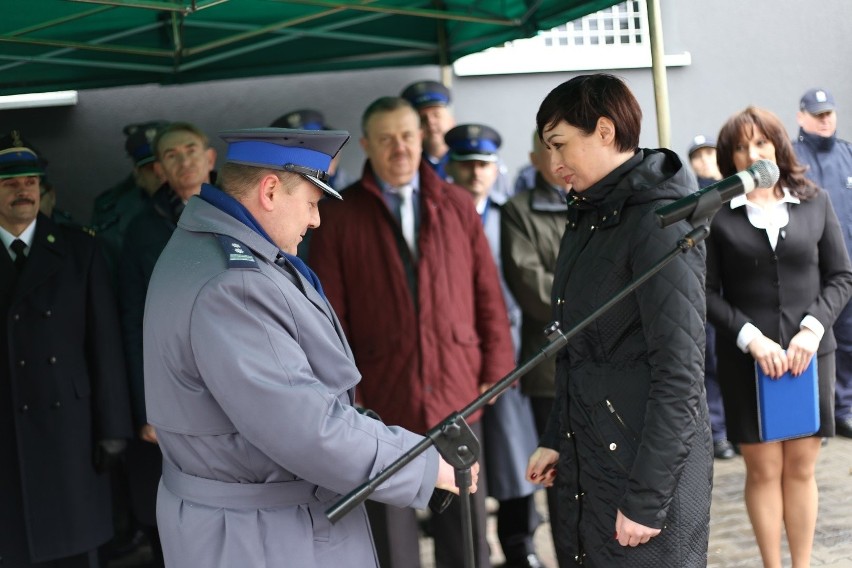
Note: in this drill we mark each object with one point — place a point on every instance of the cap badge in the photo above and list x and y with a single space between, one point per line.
16 139
294 120
820 96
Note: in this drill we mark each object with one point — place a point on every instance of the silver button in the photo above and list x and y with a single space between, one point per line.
613 446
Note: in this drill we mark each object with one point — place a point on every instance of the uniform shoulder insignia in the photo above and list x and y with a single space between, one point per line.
237 254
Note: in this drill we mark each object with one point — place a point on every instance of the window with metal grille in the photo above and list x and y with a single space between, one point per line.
614 38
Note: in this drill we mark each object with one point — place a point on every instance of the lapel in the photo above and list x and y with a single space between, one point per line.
44 260
8 276
314 297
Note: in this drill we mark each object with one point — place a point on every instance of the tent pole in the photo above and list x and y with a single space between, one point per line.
658 68
443 48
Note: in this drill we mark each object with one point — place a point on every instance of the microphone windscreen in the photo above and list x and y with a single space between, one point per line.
765 172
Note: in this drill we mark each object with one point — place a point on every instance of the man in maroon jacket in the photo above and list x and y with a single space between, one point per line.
407 267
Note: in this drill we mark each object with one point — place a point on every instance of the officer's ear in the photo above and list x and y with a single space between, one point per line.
270 190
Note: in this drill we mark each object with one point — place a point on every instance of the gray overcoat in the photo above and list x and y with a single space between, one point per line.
248 382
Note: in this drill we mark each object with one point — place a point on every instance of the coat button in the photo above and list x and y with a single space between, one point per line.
48 313
22 363
613 446
24 408
52 360
56 404
16 317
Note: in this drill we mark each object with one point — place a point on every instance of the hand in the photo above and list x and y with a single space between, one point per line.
769 355
801 350
107 454
484 387
541 467
447 477
629 533
148 434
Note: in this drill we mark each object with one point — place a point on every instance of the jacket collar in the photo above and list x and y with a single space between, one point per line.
545 198
203 217
607 197
816 142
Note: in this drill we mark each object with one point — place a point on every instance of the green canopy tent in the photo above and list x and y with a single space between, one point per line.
48 45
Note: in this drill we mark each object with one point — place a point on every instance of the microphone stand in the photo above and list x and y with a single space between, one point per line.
453 438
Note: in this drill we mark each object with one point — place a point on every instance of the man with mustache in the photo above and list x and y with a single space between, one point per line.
185 160
64 413
407 267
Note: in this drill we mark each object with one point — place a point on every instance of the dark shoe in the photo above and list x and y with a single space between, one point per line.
723 450
531 561
844 427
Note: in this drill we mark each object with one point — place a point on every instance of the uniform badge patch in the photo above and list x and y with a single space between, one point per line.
237 254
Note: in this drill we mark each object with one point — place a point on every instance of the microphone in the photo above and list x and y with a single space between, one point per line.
762 173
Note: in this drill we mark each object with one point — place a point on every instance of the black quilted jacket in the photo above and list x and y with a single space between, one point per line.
630 419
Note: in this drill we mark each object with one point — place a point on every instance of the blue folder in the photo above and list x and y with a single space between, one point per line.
788 407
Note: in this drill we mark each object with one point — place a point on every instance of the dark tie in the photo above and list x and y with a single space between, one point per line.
18 247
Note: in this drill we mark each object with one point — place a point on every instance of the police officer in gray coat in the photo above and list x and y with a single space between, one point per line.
249 380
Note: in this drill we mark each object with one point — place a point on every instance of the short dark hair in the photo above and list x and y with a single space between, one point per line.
238 179
582 100
384 104
741 126
178 127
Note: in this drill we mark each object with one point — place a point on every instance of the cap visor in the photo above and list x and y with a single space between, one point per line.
21 172
474 157
323 186
820 108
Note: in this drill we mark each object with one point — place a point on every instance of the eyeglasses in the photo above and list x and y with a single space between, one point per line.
296 169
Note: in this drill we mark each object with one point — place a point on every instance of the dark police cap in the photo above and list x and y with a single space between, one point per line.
817 101
426 93
140 140
304 152
304 119
19 158
699 142
473 142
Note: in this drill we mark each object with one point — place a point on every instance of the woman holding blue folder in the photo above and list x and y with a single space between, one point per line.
777 277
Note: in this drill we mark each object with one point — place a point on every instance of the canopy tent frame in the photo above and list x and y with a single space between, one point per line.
76 44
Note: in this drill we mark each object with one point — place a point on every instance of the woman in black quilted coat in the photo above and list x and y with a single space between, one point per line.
629 432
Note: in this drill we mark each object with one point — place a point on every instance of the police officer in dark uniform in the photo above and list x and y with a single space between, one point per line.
431 100
64 414
115 208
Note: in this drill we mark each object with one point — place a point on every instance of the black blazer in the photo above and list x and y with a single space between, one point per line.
808 273
65 390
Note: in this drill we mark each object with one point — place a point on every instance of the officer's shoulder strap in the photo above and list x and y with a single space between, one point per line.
237 254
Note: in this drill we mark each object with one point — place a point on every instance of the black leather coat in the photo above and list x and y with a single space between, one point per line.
630 419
